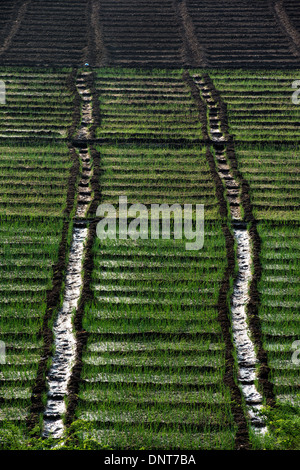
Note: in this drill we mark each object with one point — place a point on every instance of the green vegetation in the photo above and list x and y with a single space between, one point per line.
29 249
144 173
260 107
146 105
154 365
279 307
265 124
33 179
273 176
38 103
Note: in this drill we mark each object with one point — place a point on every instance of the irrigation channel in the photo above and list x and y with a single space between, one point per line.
246 355
64 337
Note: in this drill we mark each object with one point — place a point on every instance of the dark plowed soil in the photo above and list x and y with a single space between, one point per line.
238 33
143 32
292 8
168 33
6 16
51 32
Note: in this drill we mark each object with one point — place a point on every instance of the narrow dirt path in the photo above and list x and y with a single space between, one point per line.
15 25
96 53
65 343
193 53
83 135
244 346
285 24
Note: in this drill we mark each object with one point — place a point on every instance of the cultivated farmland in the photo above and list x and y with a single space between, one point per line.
155 356
167 33
139 342
29 250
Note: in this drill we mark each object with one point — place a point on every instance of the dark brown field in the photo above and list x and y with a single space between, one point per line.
161 33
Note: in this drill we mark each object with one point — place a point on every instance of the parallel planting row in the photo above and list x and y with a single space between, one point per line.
141 33
279 307
42 32
29 250
155 371
35 184
265 123
168 33
38 104
154 366
37 191
153 106
240 34
260 107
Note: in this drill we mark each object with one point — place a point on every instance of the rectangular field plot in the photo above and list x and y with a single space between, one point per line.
34 180
28 251
141 32
154 364
274 179
38 104
152 105
49 32
260 107
239 34
279 307
150 175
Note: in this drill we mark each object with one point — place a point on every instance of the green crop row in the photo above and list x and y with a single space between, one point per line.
29 249
145 106
279 306
273 177
33 180
268 94
144 174
37 104
154 363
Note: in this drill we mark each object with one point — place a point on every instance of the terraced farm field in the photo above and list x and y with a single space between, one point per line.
153 370
39 104
29 251
167 33
241 33
268 159
140 342
46 32
155 365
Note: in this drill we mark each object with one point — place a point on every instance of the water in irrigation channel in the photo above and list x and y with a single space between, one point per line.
65 343
64 337
246 356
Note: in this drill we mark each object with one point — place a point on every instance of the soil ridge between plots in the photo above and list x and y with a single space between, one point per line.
20 9
193 53
285 24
